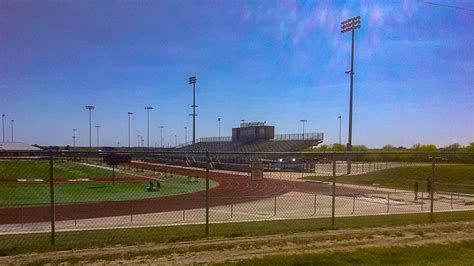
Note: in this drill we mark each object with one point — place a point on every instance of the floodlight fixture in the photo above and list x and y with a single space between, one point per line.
350 24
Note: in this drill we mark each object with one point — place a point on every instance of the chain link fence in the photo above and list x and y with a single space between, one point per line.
74 191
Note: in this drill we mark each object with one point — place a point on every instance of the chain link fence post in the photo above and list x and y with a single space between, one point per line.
431 186
207 191
333 211
51 193
315 202
275 206
388 202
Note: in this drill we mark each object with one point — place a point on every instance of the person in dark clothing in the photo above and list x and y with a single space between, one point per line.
415 190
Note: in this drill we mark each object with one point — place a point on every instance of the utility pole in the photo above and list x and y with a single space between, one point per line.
148 108
175 140
219 121
185 134
350 25
129 135
97 136
12 127
303 121
90 108
3 127
192 80
161 135
74 137
340 126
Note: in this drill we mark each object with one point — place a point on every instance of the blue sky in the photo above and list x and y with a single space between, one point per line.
274 61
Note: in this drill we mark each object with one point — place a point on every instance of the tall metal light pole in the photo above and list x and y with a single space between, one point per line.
90 108
12 127
129 135
138 137
97 127
350 25
185 134
148 108
192 80
219 121
161 135
74 137
175 140
340 126
303 121
3 127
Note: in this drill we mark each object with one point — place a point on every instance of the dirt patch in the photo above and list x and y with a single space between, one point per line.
234 249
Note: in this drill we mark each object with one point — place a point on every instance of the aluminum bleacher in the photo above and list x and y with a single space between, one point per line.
281 143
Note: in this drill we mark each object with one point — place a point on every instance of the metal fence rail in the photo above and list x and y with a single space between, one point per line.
61 191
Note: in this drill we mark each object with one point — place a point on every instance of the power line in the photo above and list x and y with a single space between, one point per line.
444 5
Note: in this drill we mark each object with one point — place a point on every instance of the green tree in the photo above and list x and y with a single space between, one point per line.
388 147
453 147
468 148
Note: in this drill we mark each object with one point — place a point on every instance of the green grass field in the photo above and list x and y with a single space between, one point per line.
452 178
38 193
40 169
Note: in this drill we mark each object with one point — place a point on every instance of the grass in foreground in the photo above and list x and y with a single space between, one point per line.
28 243
461 253
451 178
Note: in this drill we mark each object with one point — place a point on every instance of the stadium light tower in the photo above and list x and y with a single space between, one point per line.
97 127
74 137
219 121
161 135
340 126
148 108
129 135
90 108
12 127
192 80
303 121
3 127
185 134
350 25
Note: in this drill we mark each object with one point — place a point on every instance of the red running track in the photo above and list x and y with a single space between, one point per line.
233 188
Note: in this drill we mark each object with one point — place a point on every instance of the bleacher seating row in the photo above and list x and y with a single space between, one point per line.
265 146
